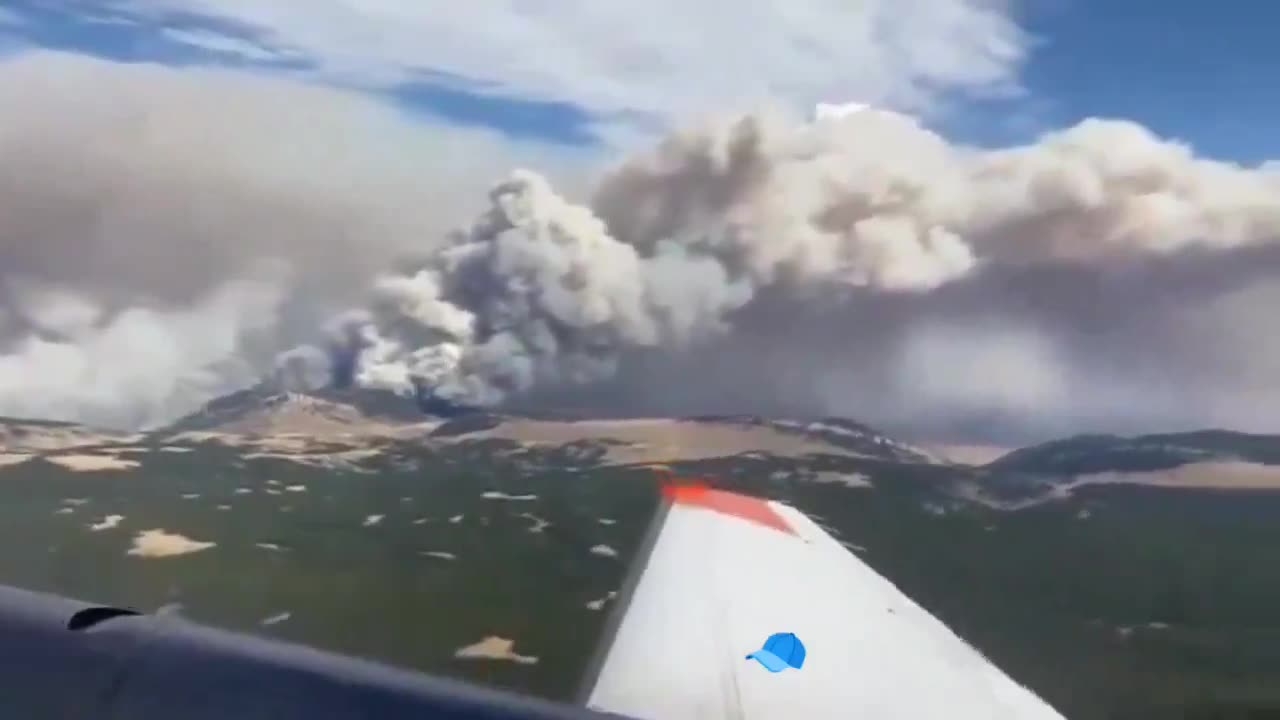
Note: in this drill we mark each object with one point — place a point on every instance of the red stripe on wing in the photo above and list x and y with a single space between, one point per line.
745 507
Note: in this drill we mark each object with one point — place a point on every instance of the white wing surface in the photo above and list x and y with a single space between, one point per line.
722 572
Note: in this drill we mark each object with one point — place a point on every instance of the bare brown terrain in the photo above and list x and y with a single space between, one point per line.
17 436
494 648
968 454
161 543
648 440
14 458
309 417
92 463
1209 475
1214 474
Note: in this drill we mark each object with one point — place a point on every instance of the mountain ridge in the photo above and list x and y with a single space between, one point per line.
1097 452
360 416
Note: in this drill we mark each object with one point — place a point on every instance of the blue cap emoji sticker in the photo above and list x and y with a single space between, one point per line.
780 651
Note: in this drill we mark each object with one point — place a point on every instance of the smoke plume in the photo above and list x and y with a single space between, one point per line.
1099 278
165 234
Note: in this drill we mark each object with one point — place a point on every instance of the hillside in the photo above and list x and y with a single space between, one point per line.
262 410
1111 453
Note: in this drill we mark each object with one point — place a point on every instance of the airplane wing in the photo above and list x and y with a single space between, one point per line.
718 574
721 572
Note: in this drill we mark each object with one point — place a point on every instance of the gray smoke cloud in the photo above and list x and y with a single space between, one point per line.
1100 278
164 232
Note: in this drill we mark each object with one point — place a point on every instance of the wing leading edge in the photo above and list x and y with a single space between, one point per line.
722 572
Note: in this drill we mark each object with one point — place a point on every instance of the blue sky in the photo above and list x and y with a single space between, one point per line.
1193 70
1200 71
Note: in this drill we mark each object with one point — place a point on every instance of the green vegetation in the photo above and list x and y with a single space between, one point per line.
1121 602
364 590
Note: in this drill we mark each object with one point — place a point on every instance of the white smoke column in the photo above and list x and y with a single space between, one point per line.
865 199
1108 190
539 291
681 243
878 199
535 291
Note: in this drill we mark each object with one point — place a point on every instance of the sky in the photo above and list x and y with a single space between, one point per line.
1192 71
1063 216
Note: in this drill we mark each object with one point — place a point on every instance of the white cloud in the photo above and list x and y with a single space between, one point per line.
120 20
662 60
224 44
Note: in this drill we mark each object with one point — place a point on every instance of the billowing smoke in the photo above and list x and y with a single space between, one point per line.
860 264
535 292
165 232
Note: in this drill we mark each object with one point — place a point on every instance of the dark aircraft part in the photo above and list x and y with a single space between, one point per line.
69 660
